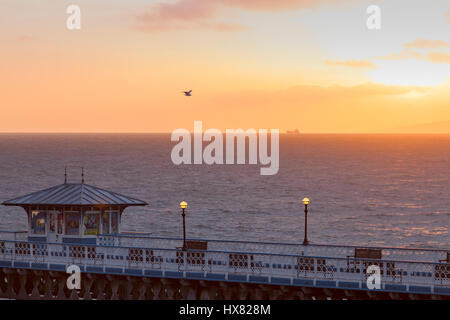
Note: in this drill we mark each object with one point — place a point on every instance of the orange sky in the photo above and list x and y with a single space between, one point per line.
311 65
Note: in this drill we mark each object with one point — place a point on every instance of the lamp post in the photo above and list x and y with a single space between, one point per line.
183 206
306 202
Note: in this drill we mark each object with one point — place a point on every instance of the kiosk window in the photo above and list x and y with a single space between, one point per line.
91 223
72 224
105 221
38 222
114 223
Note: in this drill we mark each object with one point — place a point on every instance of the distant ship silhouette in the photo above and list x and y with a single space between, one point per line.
293 132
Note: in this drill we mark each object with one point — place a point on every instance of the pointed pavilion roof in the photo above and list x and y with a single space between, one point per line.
76 194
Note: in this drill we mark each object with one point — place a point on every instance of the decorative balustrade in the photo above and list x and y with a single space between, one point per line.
13 235
303 267
338 251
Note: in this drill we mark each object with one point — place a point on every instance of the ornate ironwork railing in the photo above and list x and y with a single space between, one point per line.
338 251
344 264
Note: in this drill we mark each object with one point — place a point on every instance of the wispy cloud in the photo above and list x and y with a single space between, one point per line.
183 10
193 14
25 37
427 44
439 57
404 55
436 57
409 51
447 16
184 14
351 63
277 5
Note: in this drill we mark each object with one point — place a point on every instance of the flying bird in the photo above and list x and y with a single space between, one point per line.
187 93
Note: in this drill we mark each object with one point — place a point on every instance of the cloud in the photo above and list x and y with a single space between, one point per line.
368 107
427 44
184 14
404 55
216 26
438 57
25 37
351 63
360 90
193 14
409 52
183 10
277 5
447 16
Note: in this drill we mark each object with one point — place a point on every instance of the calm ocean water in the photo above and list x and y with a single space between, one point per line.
389 190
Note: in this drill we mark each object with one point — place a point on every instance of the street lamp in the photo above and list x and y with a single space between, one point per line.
183 206
306 202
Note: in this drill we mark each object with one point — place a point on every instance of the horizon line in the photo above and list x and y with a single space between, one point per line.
168 132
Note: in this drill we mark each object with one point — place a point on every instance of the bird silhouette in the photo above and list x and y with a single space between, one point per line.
187 93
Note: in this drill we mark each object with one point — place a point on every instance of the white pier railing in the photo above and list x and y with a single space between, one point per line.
402 270
323 250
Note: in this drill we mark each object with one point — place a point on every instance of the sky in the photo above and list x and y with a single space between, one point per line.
311 65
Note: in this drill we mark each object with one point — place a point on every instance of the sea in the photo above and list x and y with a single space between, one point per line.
378 190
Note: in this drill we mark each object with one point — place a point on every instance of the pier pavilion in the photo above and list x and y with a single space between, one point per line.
73 213
78 224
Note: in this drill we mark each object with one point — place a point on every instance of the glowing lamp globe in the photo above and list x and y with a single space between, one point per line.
183 205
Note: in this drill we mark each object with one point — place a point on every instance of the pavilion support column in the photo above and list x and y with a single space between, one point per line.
48 286
413 296
337 294
114 284
328 293
307 293
257 293
298 294
227 290
86 285
147 284
361 295
284 293
156 286
3 283
141 289
99 288
242 292
22 280
350 294
208 291
394 296
372 295
164 292
188 290
11 277
172 288
74 295
265 291
190 293
36 280
290 293
276 293
127 288
61 285
320 294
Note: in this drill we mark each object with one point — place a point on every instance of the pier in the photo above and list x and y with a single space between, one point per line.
78 224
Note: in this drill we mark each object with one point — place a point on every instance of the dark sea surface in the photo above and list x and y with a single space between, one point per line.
391 190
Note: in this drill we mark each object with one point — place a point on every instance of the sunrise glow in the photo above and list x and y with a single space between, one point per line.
311 65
